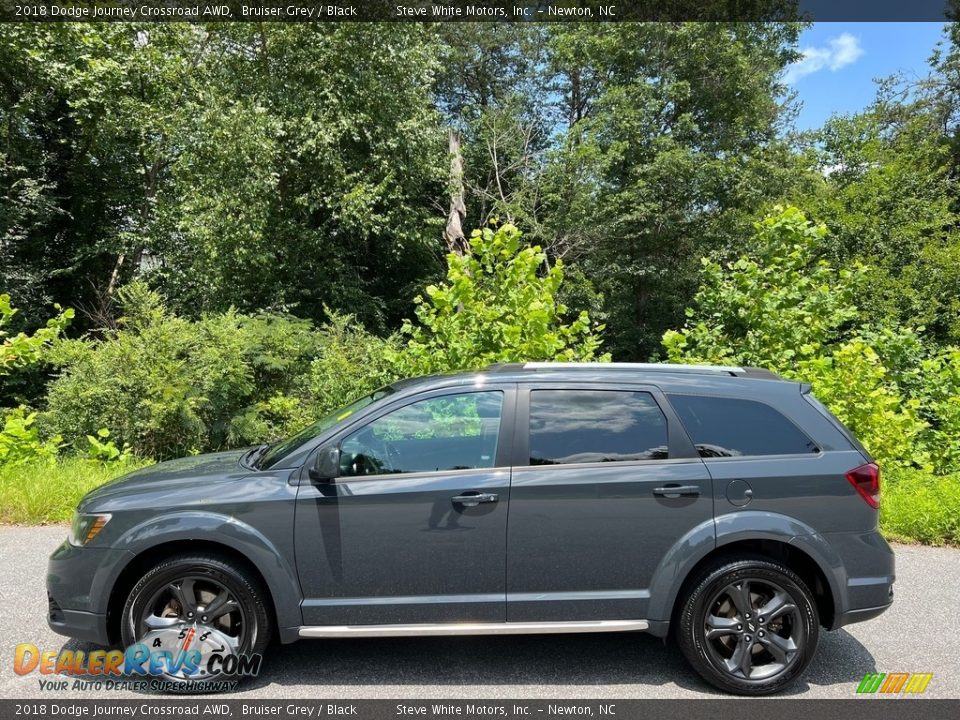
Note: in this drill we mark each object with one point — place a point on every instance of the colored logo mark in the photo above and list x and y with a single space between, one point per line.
891 683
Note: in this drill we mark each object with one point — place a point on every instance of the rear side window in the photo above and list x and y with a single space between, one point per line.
585 426
731 427
841 428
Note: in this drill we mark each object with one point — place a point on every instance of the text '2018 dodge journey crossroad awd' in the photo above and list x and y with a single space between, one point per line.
724 506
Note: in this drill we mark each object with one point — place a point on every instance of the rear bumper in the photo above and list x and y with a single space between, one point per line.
868 575
855 616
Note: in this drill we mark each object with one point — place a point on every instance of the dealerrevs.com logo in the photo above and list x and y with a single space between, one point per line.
196 658
894 683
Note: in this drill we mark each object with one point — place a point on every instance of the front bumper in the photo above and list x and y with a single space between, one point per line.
89 627
79 582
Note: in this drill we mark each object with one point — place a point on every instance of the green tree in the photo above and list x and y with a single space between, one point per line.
662 162
498 304
889 198
790 312
772 310
58 143
308 172
251 166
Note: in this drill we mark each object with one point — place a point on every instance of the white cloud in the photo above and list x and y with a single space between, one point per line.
839 52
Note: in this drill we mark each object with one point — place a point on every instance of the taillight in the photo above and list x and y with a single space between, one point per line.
866 480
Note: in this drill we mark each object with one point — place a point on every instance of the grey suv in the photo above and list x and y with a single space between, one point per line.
723 506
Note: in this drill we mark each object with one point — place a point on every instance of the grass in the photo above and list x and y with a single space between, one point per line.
918 507
915 506
47 493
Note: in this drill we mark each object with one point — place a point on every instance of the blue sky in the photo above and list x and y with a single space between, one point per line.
841 61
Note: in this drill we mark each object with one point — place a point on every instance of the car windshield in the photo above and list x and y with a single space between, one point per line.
283 448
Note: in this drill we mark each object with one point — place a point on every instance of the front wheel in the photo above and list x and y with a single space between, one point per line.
195 607
749 627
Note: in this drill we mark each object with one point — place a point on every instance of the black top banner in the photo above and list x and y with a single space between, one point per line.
477 11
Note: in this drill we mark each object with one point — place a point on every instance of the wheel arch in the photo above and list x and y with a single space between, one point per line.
789 555
769 535
145 548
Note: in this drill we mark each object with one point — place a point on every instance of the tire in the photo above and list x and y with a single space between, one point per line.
749 656
171 599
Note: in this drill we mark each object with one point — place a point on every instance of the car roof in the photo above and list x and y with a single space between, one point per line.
670 377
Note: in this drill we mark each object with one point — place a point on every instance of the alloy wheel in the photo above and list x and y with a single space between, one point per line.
753 630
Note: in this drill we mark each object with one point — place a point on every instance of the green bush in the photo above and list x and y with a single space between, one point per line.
919 507
853 382
940 399
347 363
20 440
102 449
21 349
167 386
498 304
351 363
772 310
794 314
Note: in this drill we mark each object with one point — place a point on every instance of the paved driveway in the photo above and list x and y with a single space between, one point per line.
919 634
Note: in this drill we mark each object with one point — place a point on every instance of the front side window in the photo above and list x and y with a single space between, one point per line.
451 432
586 426
276 452
731 427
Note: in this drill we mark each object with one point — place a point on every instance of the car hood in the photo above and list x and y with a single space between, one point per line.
188 471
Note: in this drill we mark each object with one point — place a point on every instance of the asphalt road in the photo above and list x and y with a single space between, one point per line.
917 635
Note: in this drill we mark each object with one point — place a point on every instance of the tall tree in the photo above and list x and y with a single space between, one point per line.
889 194
673 144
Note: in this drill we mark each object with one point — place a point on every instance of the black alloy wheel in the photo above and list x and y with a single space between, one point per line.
749 626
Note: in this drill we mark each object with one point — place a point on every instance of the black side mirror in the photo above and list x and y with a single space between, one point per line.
327 466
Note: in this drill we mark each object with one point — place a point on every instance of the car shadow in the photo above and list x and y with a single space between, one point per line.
586 661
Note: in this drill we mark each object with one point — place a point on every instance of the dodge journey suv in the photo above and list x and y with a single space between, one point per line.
721 506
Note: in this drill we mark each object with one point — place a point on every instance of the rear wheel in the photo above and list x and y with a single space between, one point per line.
749 626
204 604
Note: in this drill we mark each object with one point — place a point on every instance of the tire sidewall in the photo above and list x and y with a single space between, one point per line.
693 641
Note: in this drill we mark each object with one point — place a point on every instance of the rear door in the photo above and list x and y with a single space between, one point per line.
604 484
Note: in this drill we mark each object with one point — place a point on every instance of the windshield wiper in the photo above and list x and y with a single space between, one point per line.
253 457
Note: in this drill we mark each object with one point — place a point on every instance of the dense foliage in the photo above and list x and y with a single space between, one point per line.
170 386
790 312
498 304
21 350
165 385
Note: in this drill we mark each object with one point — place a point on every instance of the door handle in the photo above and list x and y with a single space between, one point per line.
472 498
675 491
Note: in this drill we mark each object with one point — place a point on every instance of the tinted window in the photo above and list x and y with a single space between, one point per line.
728 427
580 426
452 432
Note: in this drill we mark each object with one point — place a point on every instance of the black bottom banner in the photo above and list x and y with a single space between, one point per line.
312 709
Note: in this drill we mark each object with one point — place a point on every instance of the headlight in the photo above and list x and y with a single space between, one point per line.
84 528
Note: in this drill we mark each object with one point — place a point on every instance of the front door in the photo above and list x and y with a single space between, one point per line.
605 483
414 529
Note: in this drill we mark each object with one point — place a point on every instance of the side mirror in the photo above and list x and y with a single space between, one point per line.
327 466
